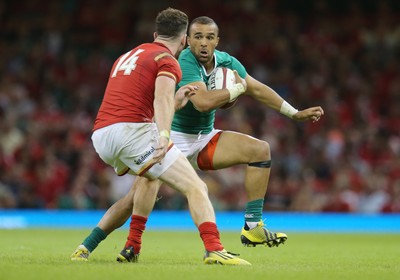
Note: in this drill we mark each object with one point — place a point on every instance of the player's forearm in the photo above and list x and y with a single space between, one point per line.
164 104
268 97
205 101
263 93
272 99
164 108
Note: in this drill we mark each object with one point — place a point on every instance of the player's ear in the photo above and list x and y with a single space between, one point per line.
155 35
183 40
217 41
188 40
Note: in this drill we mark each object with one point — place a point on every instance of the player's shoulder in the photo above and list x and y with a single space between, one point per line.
224 59
157 51
223 56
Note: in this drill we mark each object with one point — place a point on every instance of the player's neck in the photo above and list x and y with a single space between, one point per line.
209 66
171 45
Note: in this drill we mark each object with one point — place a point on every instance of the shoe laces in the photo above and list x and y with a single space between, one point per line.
261 223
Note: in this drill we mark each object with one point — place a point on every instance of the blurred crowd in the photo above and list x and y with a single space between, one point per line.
55 60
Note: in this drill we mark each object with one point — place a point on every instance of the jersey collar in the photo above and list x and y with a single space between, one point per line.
162 45
215 66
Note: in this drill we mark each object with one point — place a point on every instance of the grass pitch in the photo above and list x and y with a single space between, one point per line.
44 254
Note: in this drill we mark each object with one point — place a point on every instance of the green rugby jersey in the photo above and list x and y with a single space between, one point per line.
188 119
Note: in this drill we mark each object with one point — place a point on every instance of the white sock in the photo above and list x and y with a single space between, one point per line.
251 224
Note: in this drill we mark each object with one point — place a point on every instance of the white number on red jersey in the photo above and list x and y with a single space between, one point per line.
127 65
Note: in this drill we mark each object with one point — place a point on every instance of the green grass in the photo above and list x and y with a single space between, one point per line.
44 254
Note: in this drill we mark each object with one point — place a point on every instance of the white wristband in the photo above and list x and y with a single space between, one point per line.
235 90
288 110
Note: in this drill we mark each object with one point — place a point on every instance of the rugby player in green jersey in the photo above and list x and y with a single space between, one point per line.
208 148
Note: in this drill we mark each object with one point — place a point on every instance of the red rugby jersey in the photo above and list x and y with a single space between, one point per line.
129 94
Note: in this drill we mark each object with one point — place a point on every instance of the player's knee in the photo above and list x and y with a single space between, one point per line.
261 155
189 184
263 151
199 188
203 187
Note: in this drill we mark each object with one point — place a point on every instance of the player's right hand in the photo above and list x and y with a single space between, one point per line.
183 94
161 150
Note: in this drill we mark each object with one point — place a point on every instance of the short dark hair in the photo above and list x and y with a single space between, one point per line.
171 23
203 20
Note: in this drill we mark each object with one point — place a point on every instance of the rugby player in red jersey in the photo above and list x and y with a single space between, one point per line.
132 130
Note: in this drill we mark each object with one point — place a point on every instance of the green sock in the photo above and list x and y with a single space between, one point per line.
254 211
93 240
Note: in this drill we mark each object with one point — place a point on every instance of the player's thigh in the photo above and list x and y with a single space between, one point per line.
181 176
237 148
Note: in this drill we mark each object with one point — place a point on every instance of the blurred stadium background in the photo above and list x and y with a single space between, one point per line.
55 58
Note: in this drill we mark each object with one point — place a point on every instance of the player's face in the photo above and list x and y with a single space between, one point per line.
203 39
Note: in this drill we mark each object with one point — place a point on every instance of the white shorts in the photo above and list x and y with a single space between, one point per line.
191 144
129 148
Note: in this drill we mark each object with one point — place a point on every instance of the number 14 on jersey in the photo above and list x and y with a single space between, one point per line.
127 64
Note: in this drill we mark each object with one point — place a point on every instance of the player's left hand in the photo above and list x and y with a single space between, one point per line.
182 96
313 113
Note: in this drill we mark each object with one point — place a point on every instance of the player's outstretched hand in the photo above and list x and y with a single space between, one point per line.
313 113
182 96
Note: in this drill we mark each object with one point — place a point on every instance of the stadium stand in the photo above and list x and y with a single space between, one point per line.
342 55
